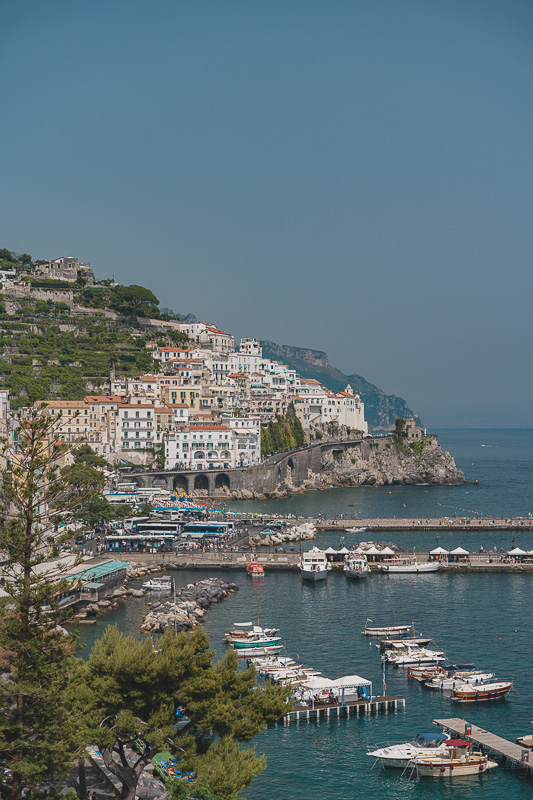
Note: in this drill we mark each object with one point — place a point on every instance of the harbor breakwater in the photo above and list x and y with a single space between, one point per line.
186 610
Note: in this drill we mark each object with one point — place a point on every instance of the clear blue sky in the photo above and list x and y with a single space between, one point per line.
353 176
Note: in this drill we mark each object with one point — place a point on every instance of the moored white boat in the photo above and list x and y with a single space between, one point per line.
314 565
409 565
458 760
398 756
413 655
355 530
458 680
386 630
249 652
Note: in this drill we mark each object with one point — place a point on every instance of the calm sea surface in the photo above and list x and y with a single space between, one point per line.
482 618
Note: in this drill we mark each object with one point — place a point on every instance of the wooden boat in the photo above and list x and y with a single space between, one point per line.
255 570
459 760
391 644
390 630
424 672
488 691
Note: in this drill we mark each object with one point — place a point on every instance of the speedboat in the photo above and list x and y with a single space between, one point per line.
487 691
314 565
356 565
409 565
355 530
399 755
458 680
249 652
158 584
458 760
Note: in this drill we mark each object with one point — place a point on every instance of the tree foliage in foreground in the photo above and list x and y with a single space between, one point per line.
37 734
131 690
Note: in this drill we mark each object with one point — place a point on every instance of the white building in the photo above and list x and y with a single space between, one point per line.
236 443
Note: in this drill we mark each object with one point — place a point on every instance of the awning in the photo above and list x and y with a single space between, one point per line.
351 681
387 551
92 586
330 552
439 551
373 551
459 551
517 551
319 683
343 551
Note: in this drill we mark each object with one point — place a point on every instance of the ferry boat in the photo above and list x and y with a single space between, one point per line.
255 570
398 756
314 565
457 761
356 565
158 584
488 691
409 565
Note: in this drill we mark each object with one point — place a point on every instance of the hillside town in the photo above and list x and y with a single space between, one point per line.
202 404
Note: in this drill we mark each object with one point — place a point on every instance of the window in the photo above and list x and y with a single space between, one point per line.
126 444
125 415
137 414
125 434
137 435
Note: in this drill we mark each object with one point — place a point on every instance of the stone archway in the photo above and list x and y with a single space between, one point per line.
222 483
159 482
201 484
290 470
181 484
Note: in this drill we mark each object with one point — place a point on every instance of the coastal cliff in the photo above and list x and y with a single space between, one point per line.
375 462
381 410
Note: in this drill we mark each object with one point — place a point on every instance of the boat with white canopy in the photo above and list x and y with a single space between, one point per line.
356 565
398 756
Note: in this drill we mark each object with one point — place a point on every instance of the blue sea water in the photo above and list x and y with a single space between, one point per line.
482 618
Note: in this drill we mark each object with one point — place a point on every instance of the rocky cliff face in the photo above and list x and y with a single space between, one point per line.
387 467
379 462
381 410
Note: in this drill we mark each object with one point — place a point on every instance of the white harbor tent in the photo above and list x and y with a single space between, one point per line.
437 553
353 687
387 551
458 554
516 551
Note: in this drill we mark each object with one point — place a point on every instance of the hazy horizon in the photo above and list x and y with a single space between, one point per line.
350 177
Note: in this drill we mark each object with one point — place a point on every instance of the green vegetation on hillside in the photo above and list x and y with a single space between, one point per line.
55 364
284 433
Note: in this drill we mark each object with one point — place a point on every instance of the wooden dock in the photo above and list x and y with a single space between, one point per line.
509 753
355 708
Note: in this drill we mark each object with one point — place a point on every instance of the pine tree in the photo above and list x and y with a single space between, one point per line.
37 731
130 691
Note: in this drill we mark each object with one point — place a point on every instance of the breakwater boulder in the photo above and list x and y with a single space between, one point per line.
190 605
296 533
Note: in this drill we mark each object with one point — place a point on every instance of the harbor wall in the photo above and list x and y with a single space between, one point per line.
368 461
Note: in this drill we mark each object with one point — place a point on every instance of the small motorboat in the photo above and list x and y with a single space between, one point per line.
398 756
459 759
355 530
412 656
158 584
251 652
458 680
255 570
398 644
487 691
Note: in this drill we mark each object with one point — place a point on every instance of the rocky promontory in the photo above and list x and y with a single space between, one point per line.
185 612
